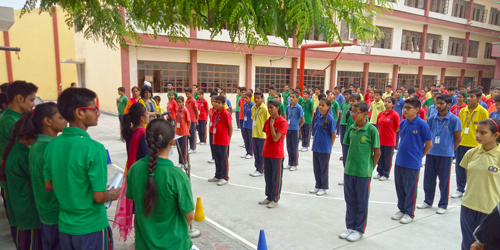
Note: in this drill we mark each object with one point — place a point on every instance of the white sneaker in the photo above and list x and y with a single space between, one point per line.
406 219
397 216
293 168
354 236
441 211
303 150
248 157
313 191
341 183
457 195
180 165
423 206
211 161
321 192
346 234
287 167
221 182
191 151
239 129
383 178
256 174
242 145
203 143
243 156
377 177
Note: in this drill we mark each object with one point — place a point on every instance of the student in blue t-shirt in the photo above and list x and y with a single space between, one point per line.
246 129
496 114
415 144
324 137
432 109
295 118
398 107
446 137
452 91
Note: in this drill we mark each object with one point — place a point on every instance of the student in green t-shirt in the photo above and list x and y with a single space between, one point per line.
430 101
277 97
237 109
285 95
4 102
308 108
343 124
335 106
47 122
272 92
195 91
364 152
121 103
76 170
162 215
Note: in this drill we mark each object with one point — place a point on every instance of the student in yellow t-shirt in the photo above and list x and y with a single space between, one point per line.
377 106
481 165
470 117
259 116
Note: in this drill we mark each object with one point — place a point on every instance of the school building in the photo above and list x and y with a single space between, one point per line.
425 42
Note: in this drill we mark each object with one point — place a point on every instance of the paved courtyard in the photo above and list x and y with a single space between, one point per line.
300 221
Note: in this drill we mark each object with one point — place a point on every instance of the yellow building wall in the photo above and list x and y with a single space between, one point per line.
34 34
3 64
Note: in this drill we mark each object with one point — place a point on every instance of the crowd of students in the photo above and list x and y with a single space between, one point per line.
55 186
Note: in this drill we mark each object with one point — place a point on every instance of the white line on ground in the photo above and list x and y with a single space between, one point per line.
116 166
231 233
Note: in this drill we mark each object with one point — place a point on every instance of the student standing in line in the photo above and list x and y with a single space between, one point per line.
322 146
246 128
163 215
227 105
364 152
491 107
76 170
388 125
133 132
272 91
496 114
432 110
398 107
483 181
47 122
202 117
241 116
195 91
172 105
121 103
277 97
353 99
446 136
239 103
452 90
170 88
455 109
388 92
295 118
315 99
192 107
430 101
211 127
286 94
470 117
223 130
182 125
335 108
14 170
344 110
259 117
275 129
136 95
21 98
308 108
415 144
376 107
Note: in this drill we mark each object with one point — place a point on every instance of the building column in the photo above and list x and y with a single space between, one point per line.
193 33
293 73
8 59
470 8
125 65
427 7
56 49
461 79
248 71
466 47
366 71
333 74
419 76
193 68
395 73
497 69
443 75
423 41
480 79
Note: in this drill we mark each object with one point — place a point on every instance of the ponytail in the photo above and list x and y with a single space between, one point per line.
159 133
133 117
329 104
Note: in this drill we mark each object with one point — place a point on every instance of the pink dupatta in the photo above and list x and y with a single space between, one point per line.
124 207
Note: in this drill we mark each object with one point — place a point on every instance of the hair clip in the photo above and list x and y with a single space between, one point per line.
32 111
153 174
3 161
160 138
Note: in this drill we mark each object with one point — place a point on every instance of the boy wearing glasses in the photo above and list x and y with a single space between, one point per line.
76 170
415 133
364 153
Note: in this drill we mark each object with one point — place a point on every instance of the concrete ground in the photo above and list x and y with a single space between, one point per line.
300 221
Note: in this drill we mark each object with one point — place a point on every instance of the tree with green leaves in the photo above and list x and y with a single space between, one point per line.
247 21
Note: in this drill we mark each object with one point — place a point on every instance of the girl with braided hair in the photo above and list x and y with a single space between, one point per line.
161 193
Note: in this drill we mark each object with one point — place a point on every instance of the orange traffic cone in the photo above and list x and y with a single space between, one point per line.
199 215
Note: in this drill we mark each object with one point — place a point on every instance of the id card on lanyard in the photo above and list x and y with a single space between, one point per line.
255 118
179 117
217 121
466 130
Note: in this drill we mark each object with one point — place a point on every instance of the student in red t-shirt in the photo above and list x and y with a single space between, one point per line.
192 106
172 105
222 132
182 125
455 109
274 154
202 117
211 128
388 125
241 104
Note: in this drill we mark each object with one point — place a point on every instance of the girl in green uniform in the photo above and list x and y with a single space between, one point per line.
162 215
